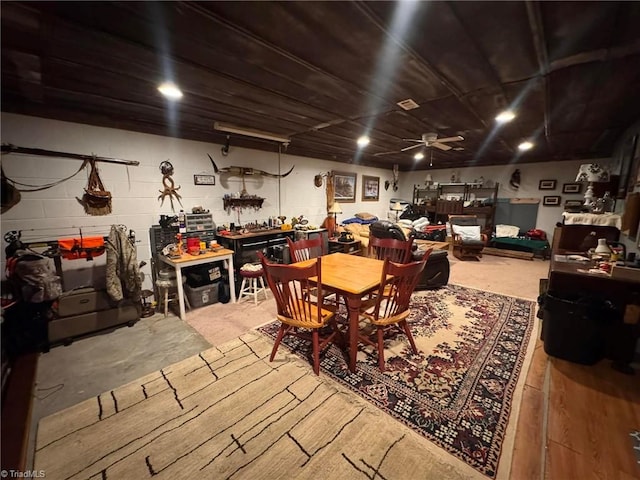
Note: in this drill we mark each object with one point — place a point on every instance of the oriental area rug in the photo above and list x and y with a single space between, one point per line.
229 413
463 389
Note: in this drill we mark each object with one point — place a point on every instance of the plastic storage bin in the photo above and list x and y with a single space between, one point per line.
200 296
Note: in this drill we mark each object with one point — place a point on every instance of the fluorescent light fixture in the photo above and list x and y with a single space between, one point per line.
170 90
363 141
506 116
225 127
419 156
525 146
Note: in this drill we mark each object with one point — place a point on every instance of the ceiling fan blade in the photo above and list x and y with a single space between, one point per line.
412 140
441 146
412 146
457 138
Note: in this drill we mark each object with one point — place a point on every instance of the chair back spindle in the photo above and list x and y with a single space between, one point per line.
398 251
306 249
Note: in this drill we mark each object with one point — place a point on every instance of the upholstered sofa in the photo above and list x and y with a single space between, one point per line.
361 232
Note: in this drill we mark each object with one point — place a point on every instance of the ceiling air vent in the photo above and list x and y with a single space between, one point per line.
407 104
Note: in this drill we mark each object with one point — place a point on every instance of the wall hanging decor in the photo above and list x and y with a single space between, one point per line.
204 179
10 194
344 186
547 185
514 181
396 172
96 200
571 188
370 188
244 199
170 190
551 200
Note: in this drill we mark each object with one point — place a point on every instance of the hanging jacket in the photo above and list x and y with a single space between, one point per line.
123 271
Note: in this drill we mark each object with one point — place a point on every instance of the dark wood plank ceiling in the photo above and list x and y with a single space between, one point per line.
323 73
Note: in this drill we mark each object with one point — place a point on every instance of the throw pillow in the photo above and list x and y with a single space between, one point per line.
507 231
365 216
471 232
420 222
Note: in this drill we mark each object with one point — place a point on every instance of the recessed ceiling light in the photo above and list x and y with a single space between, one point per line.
525 146
506 116
419 156
363 141
170 90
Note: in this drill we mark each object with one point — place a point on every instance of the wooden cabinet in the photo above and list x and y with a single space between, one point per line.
477 200
352 248
618 326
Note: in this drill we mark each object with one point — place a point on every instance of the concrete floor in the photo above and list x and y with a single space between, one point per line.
89 366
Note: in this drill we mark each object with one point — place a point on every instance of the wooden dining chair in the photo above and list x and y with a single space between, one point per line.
305 249
398 251
390 306
299 316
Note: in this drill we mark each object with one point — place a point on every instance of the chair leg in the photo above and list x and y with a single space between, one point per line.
264 289
316 351
166 302
242 285
407 331
381 348
254 289
276 344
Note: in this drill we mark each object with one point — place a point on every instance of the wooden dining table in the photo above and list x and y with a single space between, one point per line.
352 277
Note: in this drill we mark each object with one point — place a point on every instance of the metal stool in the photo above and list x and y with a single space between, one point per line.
164 284
251 274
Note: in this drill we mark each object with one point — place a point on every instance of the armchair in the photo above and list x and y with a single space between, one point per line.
468 240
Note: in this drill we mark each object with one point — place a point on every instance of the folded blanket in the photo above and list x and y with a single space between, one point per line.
360 221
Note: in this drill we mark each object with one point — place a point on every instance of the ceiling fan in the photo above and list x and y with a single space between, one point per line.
432 140
428 140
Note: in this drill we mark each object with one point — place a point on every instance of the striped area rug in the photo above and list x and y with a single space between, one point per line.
230 413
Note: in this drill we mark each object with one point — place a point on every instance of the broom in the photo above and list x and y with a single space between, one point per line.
96 200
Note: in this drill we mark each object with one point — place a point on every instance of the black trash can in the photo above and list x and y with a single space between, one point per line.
573 328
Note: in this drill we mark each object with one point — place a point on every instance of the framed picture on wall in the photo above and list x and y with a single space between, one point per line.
204 179
547 185
571 188
551 200
370 188
345 186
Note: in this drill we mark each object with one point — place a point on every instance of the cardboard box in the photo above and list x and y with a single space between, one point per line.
625 273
